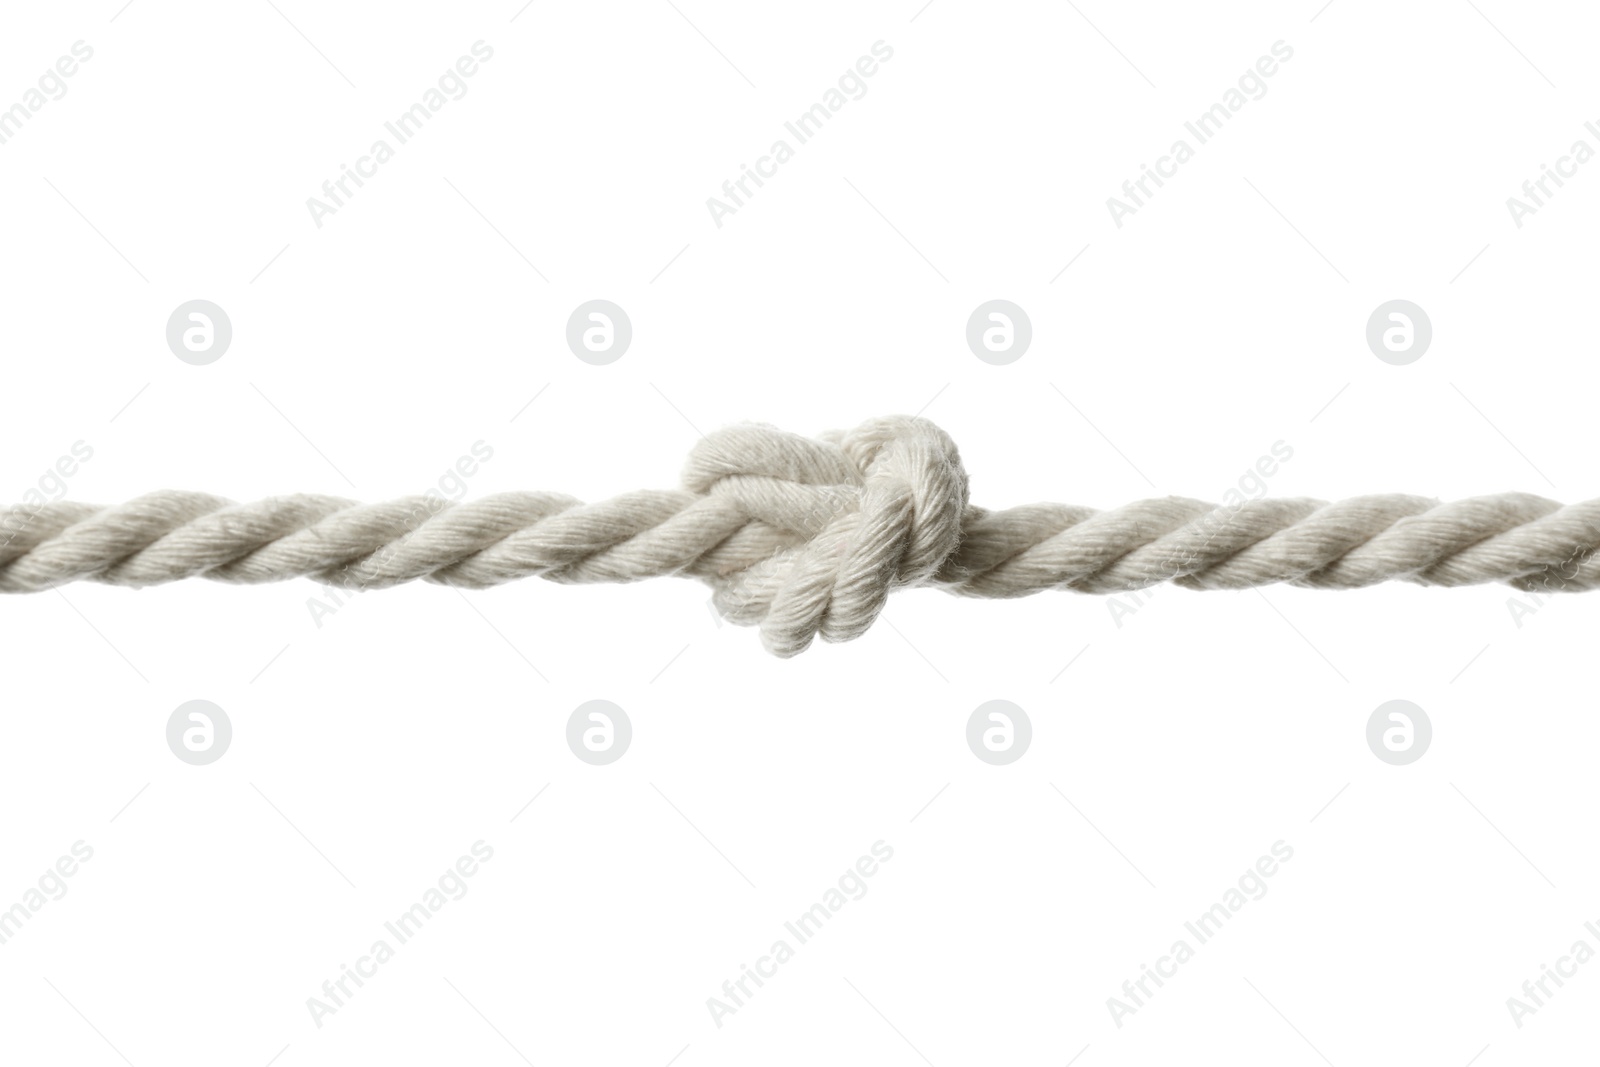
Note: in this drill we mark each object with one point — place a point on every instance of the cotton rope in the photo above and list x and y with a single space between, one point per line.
807 537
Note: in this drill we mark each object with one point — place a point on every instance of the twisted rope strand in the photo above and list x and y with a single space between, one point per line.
807 537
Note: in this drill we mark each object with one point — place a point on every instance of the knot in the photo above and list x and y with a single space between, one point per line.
836 523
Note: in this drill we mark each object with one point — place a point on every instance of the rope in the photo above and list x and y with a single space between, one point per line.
807 538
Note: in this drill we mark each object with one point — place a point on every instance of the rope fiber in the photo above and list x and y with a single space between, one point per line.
807 537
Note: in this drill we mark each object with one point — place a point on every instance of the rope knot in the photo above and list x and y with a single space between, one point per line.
836 523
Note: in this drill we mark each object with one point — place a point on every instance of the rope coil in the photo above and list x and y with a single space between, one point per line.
807 537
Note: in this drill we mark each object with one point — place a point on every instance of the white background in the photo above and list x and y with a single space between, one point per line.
371 751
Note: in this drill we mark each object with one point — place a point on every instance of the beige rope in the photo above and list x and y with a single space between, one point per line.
808 537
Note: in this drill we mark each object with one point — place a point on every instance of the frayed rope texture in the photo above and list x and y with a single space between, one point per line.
807 537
